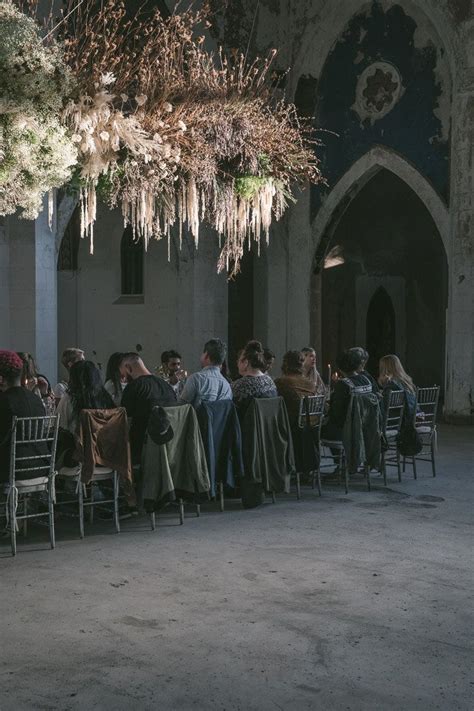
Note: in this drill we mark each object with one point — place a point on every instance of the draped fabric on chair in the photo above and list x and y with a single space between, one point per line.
178 468
222 438
269 460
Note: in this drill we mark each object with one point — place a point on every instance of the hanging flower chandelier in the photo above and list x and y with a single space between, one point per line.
150 121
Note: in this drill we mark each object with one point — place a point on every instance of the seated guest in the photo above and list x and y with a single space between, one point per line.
162 369
29 375
115 383
173 372
37 383
209 384
311 372
254 382
85 392
392 376
293 386
68 358
18 401
142 393
351 363
365 358
269 357
45 392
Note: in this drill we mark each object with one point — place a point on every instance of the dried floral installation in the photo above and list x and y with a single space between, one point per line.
153 122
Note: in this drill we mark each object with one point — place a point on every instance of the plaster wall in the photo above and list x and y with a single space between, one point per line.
184 302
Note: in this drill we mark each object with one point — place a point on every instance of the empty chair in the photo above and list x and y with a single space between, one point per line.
426 413
177 470
360 442
310 420
222 439
393 413
103 454
267 447
32 456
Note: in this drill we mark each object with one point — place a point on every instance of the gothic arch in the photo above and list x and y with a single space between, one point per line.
340 14
354 180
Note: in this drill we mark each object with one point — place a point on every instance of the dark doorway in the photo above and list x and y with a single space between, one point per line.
240 311
380 329
386 233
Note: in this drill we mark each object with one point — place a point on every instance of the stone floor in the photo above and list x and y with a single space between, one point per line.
344 602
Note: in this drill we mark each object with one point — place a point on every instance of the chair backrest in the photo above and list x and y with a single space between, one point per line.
427 400
394 406
222 439
33 447
311 412
103 440
267 443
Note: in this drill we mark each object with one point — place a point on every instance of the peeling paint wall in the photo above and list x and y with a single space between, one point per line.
328 44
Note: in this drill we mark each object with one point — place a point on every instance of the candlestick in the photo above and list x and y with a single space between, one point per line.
329 377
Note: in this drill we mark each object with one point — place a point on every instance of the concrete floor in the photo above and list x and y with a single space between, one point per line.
345 602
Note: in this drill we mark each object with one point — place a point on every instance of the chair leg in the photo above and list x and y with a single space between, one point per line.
414 468
367 473
81 507
298 486
313 479
433 463
91 507
25 511
384 469
404 464
398 466
345 472
198 510
318 480
116 503
153 520
181 512
12 525
52 535
273 498
221 495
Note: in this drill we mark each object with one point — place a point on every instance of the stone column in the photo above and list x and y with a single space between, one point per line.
459 405
4 285
30 302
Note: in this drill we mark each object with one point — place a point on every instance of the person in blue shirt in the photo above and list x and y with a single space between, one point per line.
209 384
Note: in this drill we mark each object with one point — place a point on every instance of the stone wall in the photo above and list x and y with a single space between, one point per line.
184 301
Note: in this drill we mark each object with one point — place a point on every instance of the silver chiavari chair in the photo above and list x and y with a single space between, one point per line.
310 420
394 406
36 433
425 423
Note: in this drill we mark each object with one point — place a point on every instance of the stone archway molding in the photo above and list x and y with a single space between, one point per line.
359 174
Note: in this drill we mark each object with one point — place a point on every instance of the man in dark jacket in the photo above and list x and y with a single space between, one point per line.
143 392
19 402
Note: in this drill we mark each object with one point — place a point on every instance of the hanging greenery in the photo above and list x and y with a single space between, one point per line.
163 128
36 150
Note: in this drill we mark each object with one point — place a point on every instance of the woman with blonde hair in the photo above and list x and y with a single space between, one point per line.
392 372
392 376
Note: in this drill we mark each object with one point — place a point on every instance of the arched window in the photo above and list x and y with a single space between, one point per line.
131 260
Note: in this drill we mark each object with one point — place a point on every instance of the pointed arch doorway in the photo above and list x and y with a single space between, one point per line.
381 278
